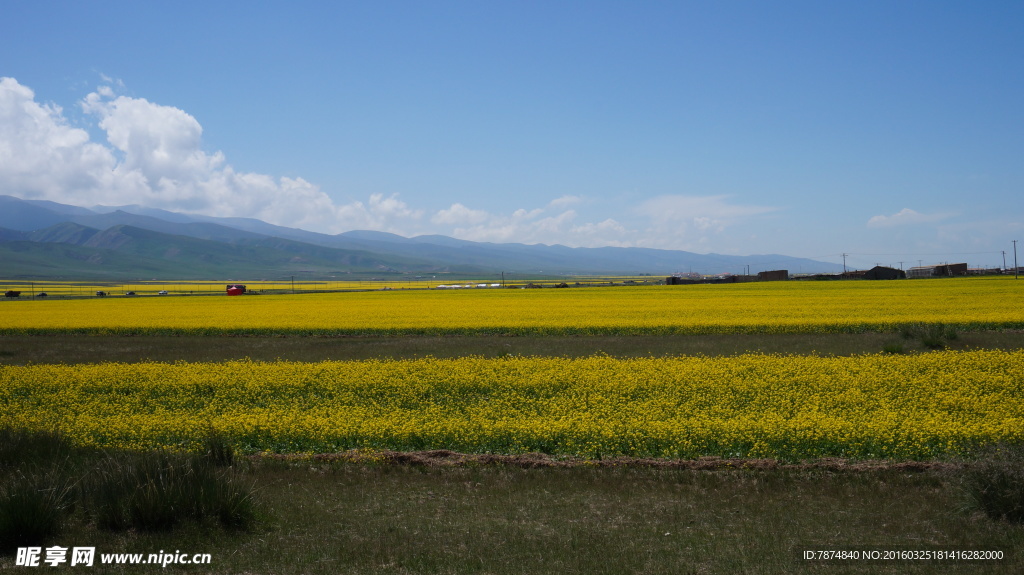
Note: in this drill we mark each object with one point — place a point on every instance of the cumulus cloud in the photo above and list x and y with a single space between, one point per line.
671 221
534 226
161 143
522 226
459 214
564 201
379 213
689 222
703 211
41 156
154 157
904 217
537 225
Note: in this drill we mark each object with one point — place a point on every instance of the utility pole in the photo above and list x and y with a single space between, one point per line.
844 264
901 265
1016 268
1004 259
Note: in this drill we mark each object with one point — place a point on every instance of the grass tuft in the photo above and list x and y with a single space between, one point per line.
155 491
994 483
19 447
45 480
931 335
33 504
218 450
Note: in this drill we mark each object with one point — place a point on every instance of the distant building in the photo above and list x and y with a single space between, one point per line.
951 270
921 272
944 270
884 273
773 276
740 278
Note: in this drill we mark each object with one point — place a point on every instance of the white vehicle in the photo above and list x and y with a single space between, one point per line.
162 292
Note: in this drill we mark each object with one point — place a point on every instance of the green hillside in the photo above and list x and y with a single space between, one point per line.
126 252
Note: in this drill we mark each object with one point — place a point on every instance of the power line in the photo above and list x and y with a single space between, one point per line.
929 254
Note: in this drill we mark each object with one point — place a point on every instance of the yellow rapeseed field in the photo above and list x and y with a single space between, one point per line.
790 407
965 303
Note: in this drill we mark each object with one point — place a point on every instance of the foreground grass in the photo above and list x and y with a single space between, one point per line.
345 518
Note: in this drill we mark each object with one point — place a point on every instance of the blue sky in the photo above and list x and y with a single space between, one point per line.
890 131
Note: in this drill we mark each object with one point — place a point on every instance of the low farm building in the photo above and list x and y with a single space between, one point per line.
773 276
944 270
951 270
884 273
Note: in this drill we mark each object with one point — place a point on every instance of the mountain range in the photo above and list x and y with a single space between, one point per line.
47 240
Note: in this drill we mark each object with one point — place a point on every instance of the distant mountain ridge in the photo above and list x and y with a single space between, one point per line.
42 239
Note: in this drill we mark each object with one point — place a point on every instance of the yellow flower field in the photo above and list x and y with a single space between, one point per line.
790 407
966 303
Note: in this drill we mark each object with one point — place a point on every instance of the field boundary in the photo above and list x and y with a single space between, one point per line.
444 458
509 331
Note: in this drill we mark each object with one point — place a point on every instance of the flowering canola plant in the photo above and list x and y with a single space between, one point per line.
766 307
788 407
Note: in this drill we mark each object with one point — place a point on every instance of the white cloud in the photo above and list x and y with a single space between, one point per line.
380 213
162 143
671 222
522 214
522 226
392 206
41 156
705 210
565 201
691 222
551 224
460 214
606 233
154 158
904 217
